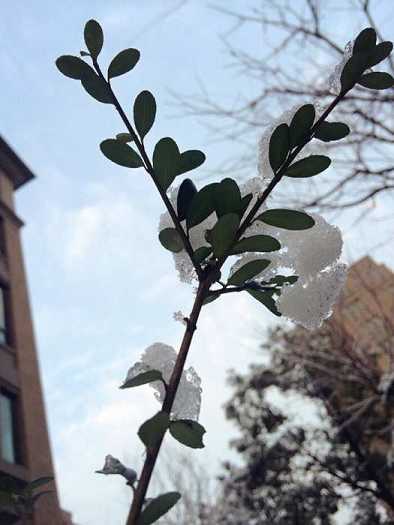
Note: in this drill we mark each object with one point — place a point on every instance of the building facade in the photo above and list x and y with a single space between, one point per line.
25 452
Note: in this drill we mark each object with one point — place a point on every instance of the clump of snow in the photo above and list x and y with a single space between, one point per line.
114 466
162 357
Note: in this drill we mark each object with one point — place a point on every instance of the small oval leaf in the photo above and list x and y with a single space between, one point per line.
153 429
94 37
248 271
171 240
144 112
301 124
190 160
187 191
166 161
202 205
287 219
256 243
121 153
123 62
365 41
188 432
124 137
97 88
157 507
353 70
279 146
143 378
309 166
201 253
223 233
328 131
380 52
227 197
74 67
265 299
377 80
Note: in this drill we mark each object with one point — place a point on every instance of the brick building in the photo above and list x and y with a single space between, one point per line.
25 452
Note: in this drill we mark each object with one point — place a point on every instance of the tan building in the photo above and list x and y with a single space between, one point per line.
25 452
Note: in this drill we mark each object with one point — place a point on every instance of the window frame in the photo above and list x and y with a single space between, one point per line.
17 431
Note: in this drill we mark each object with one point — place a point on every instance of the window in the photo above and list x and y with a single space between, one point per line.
3 321
8 449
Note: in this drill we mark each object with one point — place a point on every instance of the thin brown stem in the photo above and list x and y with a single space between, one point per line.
152 454
149 168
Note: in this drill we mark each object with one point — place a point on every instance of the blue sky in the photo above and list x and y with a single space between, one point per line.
102 288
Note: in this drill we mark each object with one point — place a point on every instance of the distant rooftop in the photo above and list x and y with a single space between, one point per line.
13 166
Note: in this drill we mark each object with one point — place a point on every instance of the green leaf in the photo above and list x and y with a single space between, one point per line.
256 243
287 219
153 429
97 88
223 233
74 67
190 160
301 124
187 191
280 280
265 299
94 37
279 146
248 271
353 70
365 41
158 507
245 201
121 153
39 482
123 62
143 378
144 112
211 297
377 80
166 161
171 240
380 52
201 253
188 432
84 54
328 131
309 166
227 197
202 205
124 137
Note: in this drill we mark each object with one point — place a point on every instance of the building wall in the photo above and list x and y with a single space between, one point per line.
19 367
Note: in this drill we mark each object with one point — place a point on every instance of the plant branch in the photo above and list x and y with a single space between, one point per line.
149 168
152 454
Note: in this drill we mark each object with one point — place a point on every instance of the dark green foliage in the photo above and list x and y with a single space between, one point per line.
377 80
245 201
124 137
380 52
287 219
124 62
158 507
144 112
365 41
166 161
94 37
309 166
190 160
279 146
227 198
153 429
266 299
121 153
188 432
97 88
256 243
223 233
248 271
187 191
143 378
280 280
301 124
171 240
74 67
202 205
328 131
353 70
201 253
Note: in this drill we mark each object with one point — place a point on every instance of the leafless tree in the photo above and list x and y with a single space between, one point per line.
307 32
